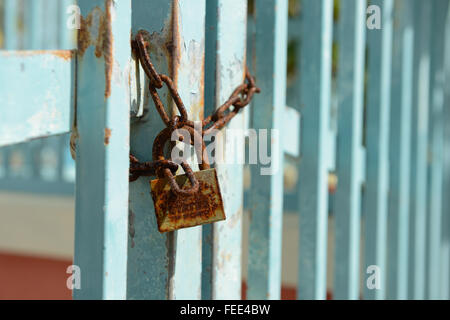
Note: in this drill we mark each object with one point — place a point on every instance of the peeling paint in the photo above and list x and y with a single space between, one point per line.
63 54
107 136
96 30
108 47
131 228
188 57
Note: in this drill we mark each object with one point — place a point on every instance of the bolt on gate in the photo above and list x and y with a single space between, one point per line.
355 96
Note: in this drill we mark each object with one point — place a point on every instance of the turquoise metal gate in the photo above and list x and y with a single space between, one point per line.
363 147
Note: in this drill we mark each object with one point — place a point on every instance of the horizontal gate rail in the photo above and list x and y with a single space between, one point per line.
43 165
47 83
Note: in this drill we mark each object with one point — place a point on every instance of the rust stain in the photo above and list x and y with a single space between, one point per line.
107 136
175 212
96 30
161 48
84 36
175 47
187 54
108 47
63 54
131 228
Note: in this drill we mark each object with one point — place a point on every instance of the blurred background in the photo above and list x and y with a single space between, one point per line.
37 178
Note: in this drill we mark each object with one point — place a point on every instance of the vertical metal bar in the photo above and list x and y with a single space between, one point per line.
150 254
352 26
419 152
34 28
101 228
436 125
400 152
66 40
266 194
378 109
10 43
445 250
67 20
315 91
11 24
211 45
189 18
169 263
222 262
34 33
50 22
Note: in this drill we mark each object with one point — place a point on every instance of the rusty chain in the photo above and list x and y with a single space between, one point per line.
239 99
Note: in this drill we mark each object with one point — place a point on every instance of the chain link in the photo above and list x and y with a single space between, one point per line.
240 98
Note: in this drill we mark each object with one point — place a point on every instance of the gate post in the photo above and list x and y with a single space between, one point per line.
102 149
164 266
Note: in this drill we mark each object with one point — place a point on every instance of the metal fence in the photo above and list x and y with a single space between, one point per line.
364 143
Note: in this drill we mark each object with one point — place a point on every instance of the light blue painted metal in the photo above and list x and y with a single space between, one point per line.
46 80
33 34
101 228
10 17
347 213
445 246
222 262
436 144
34 24
266 194
170 263
400 152
11 26
315 91
377 135
211 45
419 151
189 59
290 133
50 24
67 19
44 175
150 254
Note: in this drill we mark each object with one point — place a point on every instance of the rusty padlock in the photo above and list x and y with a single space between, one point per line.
186 200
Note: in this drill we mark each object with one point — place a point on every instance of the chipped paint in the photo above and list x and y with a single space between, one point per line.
160 48
107 136
131 228
63 54
96 30
188 64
